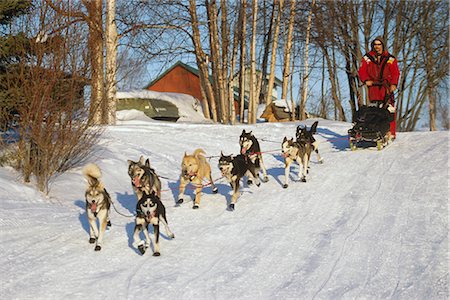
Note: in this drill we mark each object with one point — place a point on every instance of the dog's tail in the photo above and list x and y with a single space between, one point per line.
199 152
92 173
313 129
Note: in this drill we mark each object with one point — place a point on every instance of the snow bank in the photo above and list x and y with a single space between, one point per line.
189 108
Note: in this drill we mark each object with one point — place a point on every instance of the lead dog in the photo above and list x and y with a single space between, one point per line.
143 178
233 169
300 153
251 149
194 168
98 203
149 210
306 136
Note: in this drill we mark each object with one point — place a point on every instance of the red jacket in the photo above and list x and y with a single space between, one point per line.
371 70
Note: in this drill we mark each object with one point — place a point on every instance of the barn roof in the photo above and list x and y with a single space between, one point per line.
194 71
178 63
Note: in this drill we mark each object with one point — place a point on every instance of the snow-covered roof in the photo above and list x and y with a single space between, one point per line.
189 108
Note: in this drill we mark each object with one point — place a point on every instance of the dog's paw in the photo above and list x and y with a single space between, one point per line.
195 206
172 236
156 254
141 249
215 190
231 207
98 248
92 240
320 161
285 186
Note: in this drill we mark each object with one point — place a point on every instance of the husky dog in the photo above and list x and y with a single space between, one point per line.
149 210
98 203
193 169
293 151
143 178
250 148
233 169
306 136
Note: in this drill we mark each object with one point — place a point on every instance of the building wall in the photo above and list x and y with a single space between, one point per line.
178 80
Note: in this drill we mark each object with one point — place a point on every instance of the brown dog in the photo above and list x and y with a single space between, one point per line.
194 168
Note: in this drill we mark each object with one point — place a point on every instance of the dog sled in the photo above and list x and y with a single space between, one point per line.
372 128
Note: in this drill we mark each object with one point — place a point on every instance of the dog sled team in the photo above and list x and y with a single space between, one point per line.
195 168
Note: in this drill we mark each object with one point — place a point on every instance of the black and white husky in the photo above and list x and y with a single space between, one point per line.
149 210
306 136
300 153
251 149
233 169
98 203
143 178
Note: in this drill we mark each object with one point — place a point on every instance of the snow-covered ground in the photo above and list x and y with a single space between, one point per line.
366 224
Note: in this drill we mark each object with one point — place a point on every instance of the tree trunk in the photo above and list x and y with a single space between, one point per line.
202 64
287 52
242 61
252 110
111 61
274 52
216 65
95 45
302 112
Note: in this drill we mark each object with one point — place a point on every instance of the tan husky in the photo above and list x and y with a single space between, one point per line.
194 168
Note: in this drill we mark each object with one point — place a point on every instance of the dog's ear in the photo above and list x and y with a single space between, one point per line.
147 163
221 153
154 197
292 139
185 154
130 162
285 139
141 160
314 127
243 131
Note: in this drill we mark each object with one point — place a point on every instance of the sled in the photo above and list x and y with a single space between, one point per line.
372 128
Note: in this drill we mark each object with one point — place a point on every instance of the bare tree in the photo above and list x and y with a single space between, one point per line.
111 61
287 51
252 106
302 112
274 50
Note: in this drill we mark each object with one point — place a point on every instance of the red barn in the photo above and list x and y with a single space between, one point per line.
180 78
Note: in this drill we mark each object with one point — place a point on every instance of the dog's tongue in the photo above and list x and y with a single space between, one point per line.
93 207
136 181
243 150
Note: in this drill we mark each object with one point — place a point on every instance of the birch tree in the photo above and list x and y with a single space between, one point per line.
252 107
302 112
111 61
274 50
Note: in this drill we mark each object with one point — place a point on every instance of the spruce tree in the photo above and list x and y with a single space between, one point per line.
13 47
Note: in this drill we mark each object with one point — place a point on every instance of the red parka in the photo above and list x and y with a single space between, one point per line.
371 69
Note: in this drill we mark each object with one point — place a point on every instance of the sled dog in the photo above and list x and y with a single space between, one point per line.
149 210
293 151
306 136
251 149
143 178
233 169
194 168
98 203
